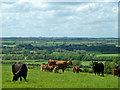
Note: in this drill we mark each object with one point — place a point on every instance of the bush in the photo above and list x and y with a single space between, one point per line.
109 66
85 70
91 71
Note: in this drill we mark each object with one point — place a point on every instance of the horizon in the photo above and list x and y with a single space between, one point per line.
61 37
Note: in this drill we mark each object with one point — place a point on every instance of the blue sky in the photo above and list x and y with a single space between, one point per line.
32 18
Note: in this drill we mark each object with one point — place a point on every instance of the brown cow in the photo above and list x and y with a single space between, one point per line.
44 67
51 62
62 65
50 68
76 69
47 68
19 70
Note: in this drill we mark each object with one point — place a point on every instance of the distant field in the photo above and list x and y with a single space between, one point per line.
27 61
38 79
108 55
41 61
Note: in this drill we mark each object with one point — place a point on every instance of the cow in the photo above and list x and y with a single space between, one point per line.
19 70
76 69
98 68
116 71
62 65
51 62
50 68
44 67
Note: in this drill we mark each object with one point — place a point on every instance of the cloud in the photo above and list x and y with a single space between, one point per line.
30 18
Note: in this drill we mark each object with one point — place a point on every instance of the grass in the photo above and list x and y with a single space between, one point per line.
108 55
0 76
38 79
27 61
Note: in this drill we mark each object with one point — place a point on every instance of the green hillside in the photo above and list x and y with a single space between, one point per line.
38 79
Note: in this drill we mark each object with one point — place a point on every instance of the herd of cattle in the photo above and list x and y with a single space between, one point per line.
20 70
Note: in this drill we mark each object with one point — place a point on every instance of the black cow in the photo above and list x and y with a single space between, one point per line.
19 70
98 68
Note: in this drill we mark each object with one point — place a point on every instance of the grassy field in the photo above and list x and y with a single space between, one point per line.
0 76
108 55
38 79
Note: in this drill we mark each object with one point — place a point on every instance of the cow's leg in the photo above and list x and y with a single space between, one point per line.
24 78
95 73
63 70
41 69
102 73
55 70
98 73
20 78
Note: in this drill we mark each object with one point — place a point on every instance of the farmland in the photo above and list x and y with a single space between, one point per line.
38 79
81 51
108 55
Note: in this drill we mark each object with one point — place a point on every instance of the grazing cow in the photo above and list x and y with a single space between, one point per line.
19 70
51 62
116 71
76 69
44 67
98 68
50 68
62 65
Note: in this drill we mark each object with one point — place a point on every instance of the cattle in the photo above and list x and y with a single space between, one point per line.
50 68
51 62
44 67
98 68
116 71
19 70
76 69
61 65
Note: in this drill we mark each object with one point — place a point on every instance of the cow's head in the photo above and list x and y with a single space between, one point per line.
69 62
15 77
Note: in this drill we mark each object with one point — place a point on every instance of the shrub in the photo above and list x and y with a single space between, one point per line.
85 70
109 66
91 71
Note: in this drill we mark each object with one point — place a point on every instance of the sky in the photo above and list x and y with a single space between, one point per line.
33 18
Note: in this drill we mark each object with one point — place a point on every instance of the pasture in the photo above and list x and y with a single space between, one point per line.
108 55
40 79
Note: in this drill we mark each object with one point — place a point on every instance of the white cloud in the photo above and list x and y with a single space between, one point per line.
86 7
115 9
67 19
35 3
